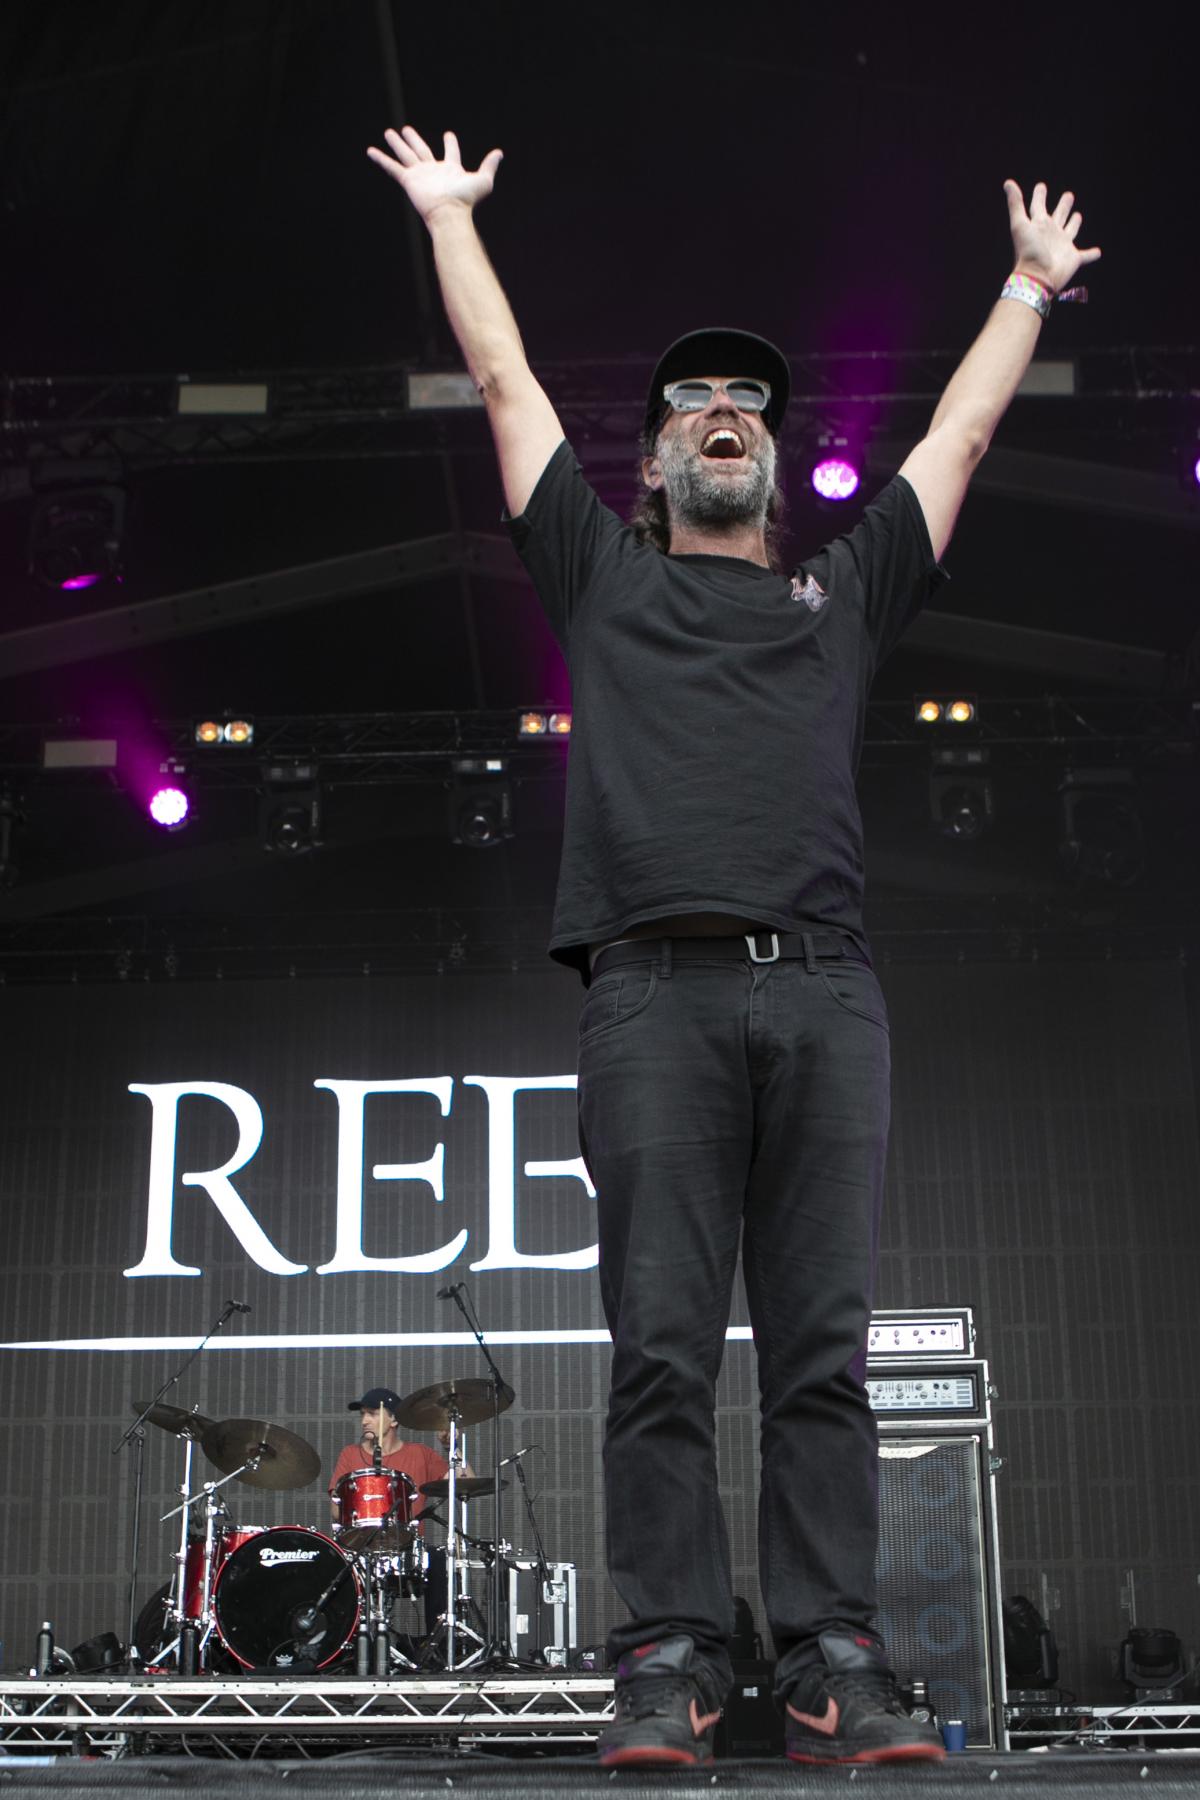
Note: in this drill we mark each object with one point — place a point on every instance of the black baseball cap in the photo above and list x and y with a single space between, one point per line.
377 1397
716 350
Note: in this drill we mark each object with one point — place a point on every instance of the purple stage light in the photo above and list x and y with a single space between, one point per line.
168 807
1196 472
81 581
834 478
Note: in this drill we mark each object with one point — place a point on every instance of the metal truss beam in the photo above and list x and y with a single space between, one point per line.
991 643
243 602
356 411
361 749
68 1715
1066 481
1137 1723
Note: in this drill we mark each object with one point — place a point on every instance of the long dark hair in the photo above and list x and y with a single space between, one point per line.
651 523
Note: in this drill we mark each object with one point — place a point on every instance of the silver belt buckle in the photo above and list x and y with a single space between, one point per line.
750 945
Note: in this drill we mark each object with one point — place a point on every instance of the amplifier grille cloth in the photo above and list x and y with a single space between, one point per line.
932 1573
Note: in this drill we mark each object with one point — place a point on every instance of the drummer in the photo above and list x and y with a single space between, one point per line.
379 1408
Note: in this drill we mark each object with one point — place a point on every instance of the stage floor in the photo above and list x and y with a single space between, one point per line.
500 1774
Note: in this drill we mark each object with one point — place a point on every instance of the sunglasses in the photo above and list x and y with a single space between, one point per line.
693 396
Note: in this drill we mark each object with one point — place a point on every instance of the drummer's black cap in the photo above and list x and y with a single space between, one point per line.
721 350
376 1397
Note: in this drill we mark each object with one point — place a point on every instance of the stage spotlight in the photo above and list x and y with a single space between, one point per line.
480 813
1100 841
960 793
560 724
289 811
1030 1649
211 732
834 477
945 709
1152 1663
962 806
532 724
76 537
169 807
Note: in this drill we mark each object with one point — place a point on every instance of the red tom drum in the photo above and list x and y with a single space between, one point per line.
367 1496
225 1541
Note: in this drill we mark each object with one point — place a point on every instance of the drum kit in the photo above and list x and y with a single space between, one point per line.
291 1598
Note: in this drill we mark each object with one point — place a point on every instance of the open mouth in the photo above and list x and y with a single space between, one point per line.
723 444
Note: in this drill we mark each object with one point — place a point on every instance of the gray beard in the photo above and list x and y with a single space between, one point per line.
697 496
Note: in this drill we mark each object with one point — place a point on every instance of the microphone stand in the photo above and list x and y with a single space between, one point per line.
499 1649
543 1565
136 1434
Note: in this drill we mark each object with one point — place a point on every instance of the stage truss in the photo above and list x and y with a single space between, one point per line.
235 1716
1141 1724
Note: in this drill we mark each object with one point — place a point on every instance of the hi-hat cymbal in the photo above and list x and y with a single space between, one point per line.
470 1397
468 1487
286 1461
174 1419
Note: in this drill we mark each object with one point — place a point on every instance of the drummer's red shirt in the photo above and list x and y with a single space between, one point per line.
417 1461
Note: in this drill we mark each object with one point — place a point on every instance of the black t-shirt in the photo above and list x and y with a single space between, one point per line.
717 713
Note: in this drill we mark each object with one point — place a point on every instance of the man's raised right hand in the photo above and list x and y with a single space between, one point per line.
431 184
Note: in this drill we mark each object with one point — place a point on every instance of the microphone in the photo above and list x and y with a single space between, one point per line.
448 1293
238 1306
516 1455
378 1456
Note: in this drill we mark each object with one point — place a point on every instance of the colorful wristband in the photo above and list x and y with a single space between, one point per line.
1033 292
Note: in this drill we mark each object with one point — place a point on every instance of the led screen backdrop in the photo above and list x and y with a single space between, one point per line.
333 1153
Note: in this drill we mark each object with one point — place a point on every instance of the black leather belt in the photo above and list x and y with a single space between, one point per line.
759 947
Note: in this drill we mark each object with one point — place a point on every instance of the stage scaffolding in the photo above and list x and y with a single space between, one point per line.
241 1716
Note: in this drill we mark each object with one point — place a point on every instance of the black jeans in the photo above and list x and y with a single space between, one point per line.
724 1099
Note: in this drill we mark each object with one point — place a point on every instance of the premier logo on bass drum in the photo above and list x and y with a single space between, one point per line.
270 1559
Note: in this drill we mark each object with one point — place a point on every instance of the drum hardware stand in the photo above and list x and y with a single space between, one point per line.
192 1635
497 1649
450 1625
136 1435
373 1627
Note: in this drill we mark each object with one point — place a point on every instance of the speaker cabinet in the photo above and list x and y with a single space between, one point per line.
938 1573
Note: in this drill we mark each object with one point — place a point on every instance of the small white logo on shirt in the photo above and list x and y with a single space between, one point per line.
810 591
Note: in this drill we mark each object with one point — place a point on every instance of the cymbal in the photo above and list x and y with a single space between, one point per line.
287 1460
429 1408
469 1487
174 1419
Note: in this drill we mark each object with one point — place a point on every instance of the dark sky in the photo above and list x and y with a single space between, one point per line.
185 184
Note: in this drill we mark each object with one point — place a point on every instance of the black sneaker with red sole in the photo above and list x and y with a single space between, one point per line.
662 1712
847 1709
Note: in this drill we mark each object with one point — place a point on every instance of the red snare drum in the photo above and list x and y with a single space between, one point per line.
366 1496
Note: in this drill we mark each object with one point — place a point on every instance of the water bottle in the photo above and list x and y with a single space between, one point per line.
44 1654
362 1648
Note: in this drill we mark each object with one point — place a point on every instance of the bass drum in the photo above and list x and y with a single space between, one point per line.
267 1587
